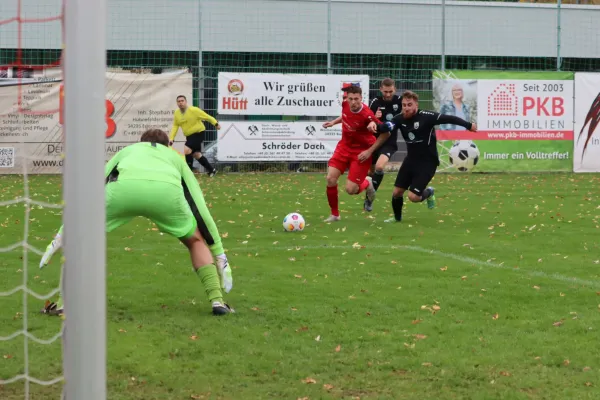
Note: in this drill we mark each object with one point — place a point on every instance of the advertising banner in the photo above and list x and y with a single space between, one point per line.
285 94
587 122
525 120
33 133
276 141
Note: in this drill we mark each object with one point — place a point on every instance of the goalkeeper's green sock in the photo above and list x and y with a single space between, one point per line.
210 279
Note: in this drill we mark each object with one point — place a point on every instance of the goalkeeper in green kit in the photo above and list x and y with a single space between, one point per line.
149 179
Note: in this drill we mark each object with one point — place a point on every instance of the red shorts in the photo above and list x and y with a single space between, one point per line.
344 159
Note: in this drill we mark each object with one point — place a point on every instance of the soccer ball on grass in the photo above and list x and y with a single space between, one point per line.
464 155
293 222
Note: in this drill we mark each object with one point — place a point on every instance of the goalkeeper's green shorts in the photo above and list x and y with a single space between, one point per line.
161 202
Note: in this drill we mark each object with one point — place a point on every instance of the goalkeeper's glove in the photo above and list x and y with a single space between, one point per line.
224 272
50 250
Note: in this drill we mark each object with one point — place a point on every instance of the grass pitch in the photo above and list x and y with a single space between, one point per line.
492 295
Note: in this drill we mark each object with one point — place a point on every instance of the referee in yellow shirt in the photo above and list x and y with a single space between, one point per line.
189 119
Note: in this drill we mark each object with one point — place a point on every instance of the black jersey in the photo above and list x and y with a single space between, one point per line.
419 132
389 109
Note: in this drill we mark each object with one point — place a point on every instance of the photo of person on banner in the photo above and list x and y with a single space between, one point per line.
457 98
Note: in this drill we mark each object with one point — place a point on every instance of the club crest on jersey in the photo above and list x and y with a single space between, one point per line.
342 95
416 125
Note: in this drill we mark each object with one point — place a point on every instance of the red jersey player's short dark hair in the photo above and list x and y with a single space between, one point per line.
410 95
155 136
352 89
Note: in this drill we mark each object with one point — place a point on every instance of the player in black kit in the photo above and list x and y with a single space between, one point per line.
385 107
422 159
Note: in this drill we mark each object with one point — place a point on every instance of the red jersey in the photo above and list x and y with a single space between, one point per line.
354 127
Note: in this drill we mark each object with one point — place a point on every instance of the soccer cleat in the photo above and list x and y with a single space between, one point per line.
392 220
225 273
371 192
212 173
219 308
51 308
332 218
50 250
431 199
368 205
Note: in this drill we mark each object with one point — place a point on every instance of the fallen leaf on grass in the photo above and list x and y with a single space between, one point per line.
318 338
194 337
536 287
302 329
419 336
416 321
566 363
495 316
505 373
309 380
427 364
327 386
7 356
444 268
557 323
338 348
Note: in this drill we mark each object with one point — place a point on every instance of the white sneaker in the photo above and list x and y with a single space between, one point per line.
50 250
371 192
332 218
225 274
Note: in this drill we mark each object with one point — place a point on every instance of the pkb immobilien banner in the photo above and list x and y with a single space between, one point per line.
525 120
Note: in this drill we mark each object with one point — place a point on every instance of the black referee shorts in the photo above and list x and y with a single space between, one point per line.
415 175
195 141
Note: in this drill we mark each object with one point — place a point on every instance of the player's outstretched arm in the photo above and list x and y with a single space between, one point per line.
329 124
204 116
443 119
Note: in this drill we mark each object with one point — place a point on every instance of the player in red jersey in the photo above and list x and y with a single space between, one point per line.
354 151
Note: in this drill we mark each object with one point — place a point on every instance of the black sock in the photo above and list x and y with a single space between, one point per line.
397 204
204 162
377 178
189 159
426 194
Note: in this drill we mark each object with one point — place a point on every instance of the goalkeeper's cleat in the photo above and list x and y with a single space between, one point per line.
52 308
50 250
219 308
225 273
371 192
431 199
332 218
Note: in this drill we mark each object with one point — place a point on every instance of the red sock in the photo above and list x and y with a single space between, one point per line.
363 186
332 198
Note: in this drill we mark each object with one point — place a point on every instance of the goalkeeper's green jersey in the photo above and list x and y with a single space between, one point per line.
151 162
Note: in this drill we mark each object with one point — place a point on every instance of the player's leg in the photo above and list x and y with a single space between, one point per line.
368 204
338 163
179 221
419 191
385 153
358 179
196 141
189 157
210 233
403 180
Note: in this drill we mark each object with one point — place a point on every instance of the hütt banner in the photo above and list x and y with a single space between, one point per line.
31 136
285 94
525 120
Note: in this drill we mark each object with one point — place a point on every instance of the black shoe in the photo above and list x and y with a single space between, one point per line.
212 173
219 308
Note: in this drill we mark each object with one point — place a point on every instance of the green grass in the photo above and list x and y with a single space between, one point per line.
492 295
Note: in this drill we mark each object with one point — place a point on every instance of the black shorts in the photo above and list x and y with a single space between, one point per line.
415 175
387 149
195 141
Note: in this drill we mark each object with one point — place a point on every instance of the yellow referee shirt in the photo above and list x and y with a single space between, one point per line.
190 121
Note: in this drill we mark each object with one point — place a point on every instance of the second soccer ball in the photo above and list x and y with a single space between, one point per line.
293 222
